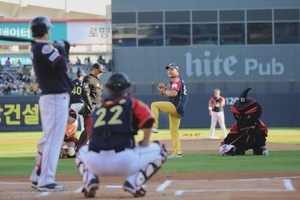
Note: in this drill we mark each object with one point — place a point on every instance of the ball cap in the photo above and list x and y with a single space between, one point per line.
100 67
172 65
80 72
217 90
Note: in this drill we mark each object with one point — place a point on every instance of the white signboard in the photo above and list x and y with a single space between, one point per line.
92 32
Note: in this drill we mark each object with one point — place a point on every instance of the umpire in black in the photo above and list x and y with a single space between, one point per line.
92 89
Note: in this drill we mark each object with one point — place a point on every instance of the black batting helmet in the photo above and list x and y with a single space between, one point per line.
39 26
117 84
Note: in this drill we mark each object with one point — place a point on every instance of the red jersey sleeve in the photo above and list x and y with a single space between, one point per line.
211 102
234 129
141 111
175 85
263 127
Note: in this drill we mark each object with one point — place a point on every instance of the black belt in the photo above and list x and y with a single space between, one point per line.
117 150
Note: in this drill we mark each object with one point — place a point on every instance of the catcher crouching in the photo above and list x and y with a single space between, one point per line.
70 142
248 132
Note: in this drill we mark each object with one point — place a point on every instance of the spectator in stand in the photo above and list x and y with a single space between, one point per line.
78 62
20 72
101 60
1 75
7 62
17 81
88 64
28 89
7 89
19 64
9 78
35 87
22 85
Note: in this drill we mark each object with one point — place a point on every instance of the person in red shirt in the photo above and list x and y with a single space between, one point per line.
216 111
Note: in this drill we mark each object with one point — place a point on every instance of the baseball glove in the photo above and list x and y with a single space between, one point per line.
64 150
162 87
84 110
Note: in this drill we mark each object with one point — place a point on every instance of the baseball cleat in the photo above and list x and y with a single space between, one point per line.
53 187
136 193
90 192
34 185
265 151
212 137
154 130
175 156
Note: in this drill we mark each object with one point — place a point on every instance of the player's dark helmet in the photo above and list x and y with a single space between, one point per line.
39 26
117 84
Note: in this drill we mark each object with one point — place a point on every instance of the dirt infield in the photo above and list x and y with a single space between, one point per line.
166 186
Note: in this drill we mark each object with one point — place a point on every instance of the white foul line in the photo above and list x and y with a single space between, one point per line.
288 184
163 186
43 194
180 192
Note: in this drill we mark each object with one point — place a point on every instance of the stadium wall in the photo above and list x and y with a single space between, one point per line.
279 110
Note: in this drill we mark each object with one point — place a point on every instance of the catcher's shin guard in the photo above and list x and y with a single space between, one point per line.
81 168
152 167
145 175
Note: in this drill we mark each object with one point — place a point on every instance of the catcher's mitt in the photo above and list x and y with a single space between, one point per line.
162 87
64 150
84 110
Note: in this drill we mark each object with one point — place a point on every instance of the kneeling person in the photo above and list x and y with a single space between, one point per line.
112 150
71 139
248 132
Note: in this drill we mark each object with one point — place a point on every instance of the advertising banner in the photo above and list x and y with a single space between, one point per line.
89 32
79 32
25 60
19 114
21 29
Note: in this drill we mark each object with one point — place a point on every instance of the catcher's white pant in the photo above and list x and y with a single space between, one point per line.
54 110
76 107
125 163
217 117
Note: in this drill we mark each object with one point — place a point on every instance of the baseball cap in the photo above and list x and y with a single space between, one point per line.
100 67
217 90
172 65
80 72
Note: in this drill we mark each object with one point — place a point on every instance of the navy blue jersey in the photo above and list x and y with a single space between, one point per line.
115 122
75 96
179 100
50 68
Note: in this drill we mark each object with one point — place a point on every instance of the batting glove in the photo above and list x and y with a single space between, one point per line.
59 43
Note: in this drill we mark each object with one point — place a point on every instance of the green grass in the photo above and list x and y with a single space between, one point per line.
17 155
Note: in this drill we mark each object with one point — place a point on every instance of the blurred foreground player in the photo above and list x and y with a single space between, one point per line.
50 67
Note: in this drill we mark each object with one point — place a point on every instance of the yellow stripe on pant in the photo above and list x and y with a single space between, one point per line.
174 121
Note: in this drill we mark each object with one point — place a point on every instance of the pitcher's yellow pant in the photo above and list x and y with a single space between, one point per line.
174 121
